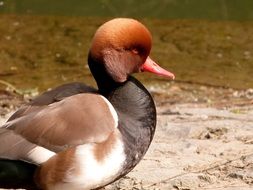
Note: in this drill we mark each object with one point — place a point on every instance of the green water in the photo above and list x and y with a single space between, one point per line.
159 9
45 43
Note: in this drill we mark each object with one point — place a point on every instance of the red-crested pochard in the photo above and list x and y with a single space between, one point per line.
75 137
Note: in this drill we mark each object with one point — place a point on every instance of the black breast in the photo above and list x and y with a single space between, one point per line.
137 119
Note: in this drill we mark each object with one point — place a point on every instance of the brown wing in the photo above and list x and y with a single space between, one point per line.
78 119
54 95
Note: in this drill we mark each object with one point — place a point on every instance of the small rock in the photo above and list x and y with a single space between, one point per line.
219 55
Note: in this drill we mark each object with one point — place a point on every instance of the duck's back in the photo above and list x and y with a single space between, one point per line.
18 173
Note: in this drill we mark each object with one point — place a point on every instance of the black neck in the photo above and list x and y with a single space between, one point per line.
104 81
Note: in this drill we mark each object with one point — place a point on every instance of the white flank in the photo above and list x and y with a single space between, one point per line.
39 154
113 112
93 173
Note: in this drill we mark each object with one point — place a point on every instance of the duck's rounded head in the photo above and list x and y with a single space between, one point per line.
122 47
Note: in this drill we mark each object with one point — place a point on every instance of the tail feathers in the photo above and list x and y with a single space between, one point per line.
17 174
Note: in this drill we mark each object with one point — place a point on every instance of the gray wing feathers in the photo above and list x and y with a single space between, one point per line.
13 146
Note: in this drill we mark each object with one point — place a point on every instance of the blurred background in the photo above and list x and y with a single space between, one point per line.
44 43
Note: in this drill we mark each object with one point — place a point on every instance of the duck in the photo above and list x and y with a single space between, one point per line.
78 137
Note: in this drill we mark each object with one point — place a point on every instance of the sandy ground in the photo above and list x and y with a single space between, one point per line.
197 147
204 140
